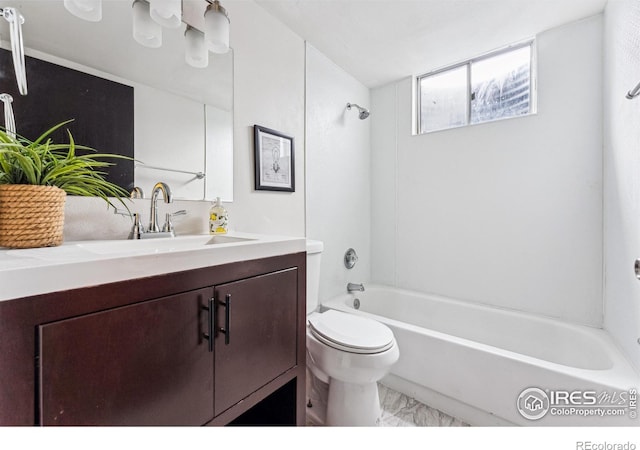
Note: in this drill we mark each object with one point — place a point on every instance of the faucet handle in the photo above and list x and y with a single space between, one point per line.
168 224
137 228
350 258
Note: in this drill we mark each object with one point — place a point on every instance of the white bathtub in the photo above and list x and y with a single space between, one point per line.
474 361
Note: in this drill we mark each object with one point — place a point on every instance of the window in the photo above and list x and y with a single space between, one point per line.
491 87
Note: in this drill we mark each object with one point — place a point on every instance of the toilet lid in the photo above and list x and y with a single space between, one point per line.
350 333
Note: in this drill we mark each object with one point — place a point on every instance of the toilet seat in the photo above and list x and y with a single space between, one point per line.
350 333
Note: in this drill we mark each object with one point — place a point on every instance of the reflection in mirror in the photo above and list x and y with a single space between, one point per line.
102 110
183 116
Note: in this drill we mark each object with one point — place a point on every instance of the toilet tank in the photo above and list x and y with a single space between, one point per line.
314 255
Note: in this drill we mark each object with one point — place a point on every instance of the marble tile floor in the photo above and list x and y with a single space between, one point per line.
399 410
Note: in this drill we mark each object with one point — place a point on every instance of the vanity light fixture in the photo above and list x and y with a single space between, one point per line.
216 28
196 53
167 13
146 31
149 16
90 10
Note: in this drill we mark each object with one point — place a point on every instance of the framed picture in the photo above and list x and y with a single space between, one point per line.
274 160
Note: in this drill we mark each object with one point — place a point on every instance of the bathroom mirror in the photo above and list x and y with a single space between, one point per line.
183 116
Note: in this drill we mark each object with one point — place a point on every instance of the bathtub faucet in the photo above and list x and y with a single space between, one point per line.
351 287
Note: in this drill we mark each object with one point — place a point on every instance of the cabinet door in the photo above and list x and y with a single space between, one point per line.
261 343
143 364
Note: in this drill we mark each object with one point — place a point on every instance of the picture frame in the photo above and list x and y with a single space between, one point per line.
274 160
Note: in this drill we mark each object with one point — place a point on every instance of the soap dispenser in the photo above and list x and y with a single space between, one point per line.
218 218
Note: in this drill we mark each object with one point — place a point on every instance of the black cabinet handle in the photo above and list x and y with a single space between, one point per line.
210 311
227 319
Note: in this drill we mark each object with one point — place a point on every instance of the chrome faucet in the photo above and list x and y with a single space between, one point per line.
168 198
137 230
352 287
136 192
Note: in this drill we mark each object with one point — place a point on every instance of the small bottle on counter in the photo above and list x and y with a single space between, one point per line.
218 218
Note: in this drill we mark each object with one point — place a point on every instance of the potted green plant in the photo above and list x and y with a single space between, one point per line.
36 176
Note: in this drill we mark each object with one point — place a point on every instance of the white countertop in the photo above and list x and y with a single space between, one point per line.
87 263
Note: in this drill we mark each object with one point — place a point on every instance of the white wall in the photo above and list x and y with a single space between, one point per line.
269 61
622 174
384 185
218 161
338 172
507 213
269 91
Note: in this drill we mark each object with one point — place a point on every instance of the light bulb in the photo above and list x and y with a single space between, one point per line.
167 13
90 10
145 31
216 28
196 53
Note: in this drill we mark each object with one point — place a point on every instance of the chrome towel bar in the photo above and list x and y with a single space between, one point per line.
199 175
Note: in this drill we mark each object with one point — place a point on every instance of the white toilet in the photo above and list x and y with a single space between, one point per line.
346 356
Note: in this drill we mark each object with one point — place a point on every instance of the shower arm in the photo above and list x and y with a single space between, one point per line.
15 19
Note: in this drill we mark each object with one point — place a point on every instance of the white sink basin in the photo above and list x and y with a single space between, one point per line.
73 251
159 245
226 239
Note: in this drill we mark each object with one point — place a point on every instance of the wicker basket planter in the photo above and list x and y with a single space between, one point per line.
31 216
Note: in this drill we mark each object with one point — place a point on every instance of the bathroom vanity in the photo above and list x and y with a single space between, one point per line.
191 332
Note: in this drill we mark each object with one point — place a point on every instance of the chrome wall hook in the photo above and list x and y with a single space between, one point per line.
633 93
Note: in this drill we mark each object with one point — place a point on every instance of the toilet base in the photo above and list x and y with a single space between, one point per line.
353 405
317 395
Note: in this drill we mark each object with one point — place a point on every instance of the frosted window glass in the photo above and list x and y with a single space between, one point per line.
501 86
489 88
443 100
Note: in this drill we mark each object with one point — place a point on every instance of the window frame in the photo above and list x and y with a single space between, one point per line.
533 90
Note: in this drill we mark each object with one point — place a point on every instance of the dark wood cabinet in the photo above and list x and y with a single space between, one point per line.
143 364
261 340
125 354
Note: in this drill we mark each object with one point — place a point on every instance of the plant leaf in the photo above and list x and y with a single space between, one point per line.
42 162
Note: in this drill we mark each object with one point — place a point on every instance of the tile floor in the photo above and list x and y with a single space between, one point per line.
399 410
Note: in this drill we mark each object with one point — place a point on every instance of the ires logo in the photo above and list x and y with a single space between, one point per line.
534 403
573 398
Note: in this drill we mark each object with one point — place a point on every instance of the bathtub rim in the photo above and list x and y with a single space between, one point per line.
621 375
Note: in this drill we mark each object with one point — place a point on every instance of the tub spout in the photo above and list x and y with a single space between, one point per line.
352 287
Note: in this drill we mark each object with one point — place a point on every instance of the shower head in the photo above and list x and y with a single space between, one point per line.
364 112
